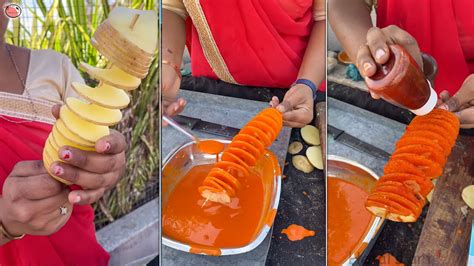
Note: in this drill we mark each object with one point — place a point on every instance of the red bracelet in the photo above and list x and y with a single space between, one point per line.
175 67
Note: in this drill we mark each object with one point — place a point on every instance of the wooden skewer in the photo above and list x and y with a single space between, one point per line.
134 21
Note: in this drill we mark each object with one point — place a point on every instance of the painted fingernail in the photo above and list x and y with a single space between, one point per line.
58 170
66 154
379 53
107 146
367 67
443 107
77 199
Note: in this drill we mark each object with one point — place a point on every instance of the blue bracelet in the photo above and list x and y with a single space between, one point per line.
308 83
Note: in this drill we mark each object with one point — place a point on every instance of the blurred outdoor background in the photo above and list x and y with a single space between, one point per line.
67 26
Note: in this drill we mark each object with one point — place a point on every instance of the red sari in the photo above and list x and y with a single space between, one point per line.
261 43
443 29
75 243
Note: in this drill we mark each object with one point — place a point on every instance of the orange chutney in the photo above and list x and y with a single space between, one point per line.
210 146
189 218
348 219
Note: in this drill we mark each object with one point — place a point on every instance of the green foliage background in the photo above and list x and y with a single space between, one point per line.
67 26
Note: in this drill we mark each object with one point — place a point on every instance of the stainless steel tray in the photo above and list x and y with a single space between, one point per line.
356 173
182 159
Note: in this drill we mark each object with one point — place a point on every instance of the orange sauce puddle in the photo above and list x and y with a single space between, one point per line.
348 220
189 218
388 260
210 146
296 232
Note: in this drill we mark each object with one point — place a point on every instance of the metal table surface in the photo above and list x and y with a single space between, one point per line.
230 112
399 239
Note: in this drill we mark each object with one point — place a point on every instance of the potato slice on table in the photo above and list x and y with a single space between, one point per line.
315 156
302 163
468 196
310 135
295 147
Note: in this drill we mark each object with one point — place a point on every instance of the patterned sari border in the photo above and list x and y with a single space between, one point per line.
209 46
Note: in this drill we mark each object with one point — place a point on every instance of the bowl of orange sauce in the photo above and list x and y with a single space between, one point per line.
192 224
351 229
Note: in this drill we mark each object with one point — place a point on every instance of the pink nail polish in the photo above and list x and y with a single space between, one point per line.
58 170
66 155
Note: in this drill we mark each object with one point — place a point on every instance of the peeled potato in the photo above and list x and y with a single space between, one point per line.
315 156
295 147
220 197
66 133
103 95
113 76
302 163
94 113
310 135
60 141
468 196
83 129
430 195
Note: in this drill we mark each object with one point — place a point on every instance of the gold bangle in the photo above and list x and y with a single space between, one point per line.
7 235
175 67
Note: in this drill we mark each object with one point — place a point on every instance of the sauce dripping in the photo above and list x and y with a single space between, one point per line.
348 220
296 232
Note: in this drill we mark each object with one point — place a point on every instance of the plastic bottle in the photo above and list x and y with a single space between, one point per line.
401 82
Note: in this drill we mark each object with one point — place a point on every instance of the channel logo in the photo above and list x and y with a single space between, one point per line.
12 10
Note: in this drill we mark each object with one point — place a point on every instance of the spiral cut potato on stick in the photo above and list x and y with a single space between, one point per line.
128 38
246 148
419 157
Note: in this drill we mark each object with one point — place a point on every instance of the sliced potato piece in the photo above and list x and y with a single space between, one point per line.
82 128
51 152
310 135
220 197
315 156
468 196
295 147
113 76
302 163
93 113
60 141
66 133
429 197
104 95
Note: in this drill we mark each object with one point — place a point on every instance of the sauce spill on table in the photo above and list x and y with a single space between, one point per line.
388 260
296 232
348 220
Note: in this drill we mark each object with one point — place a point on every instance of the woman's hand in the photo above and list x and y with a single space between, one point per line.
95 171
462 103
376 49
31 201
170 84
296 107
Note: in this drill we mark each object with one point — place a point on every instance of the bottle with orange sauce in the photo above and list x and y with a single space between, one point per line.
400 81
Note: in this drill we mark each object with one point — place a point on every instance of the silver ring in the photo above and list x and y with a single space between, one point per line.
63 210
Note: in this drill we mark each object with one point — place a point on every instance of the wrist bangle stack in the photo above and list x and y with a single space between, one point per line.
308 83
7 235
175 67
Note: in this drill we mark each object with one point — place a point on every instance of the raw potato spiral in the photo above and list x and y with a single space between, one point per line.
247 147
128 39
419 157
